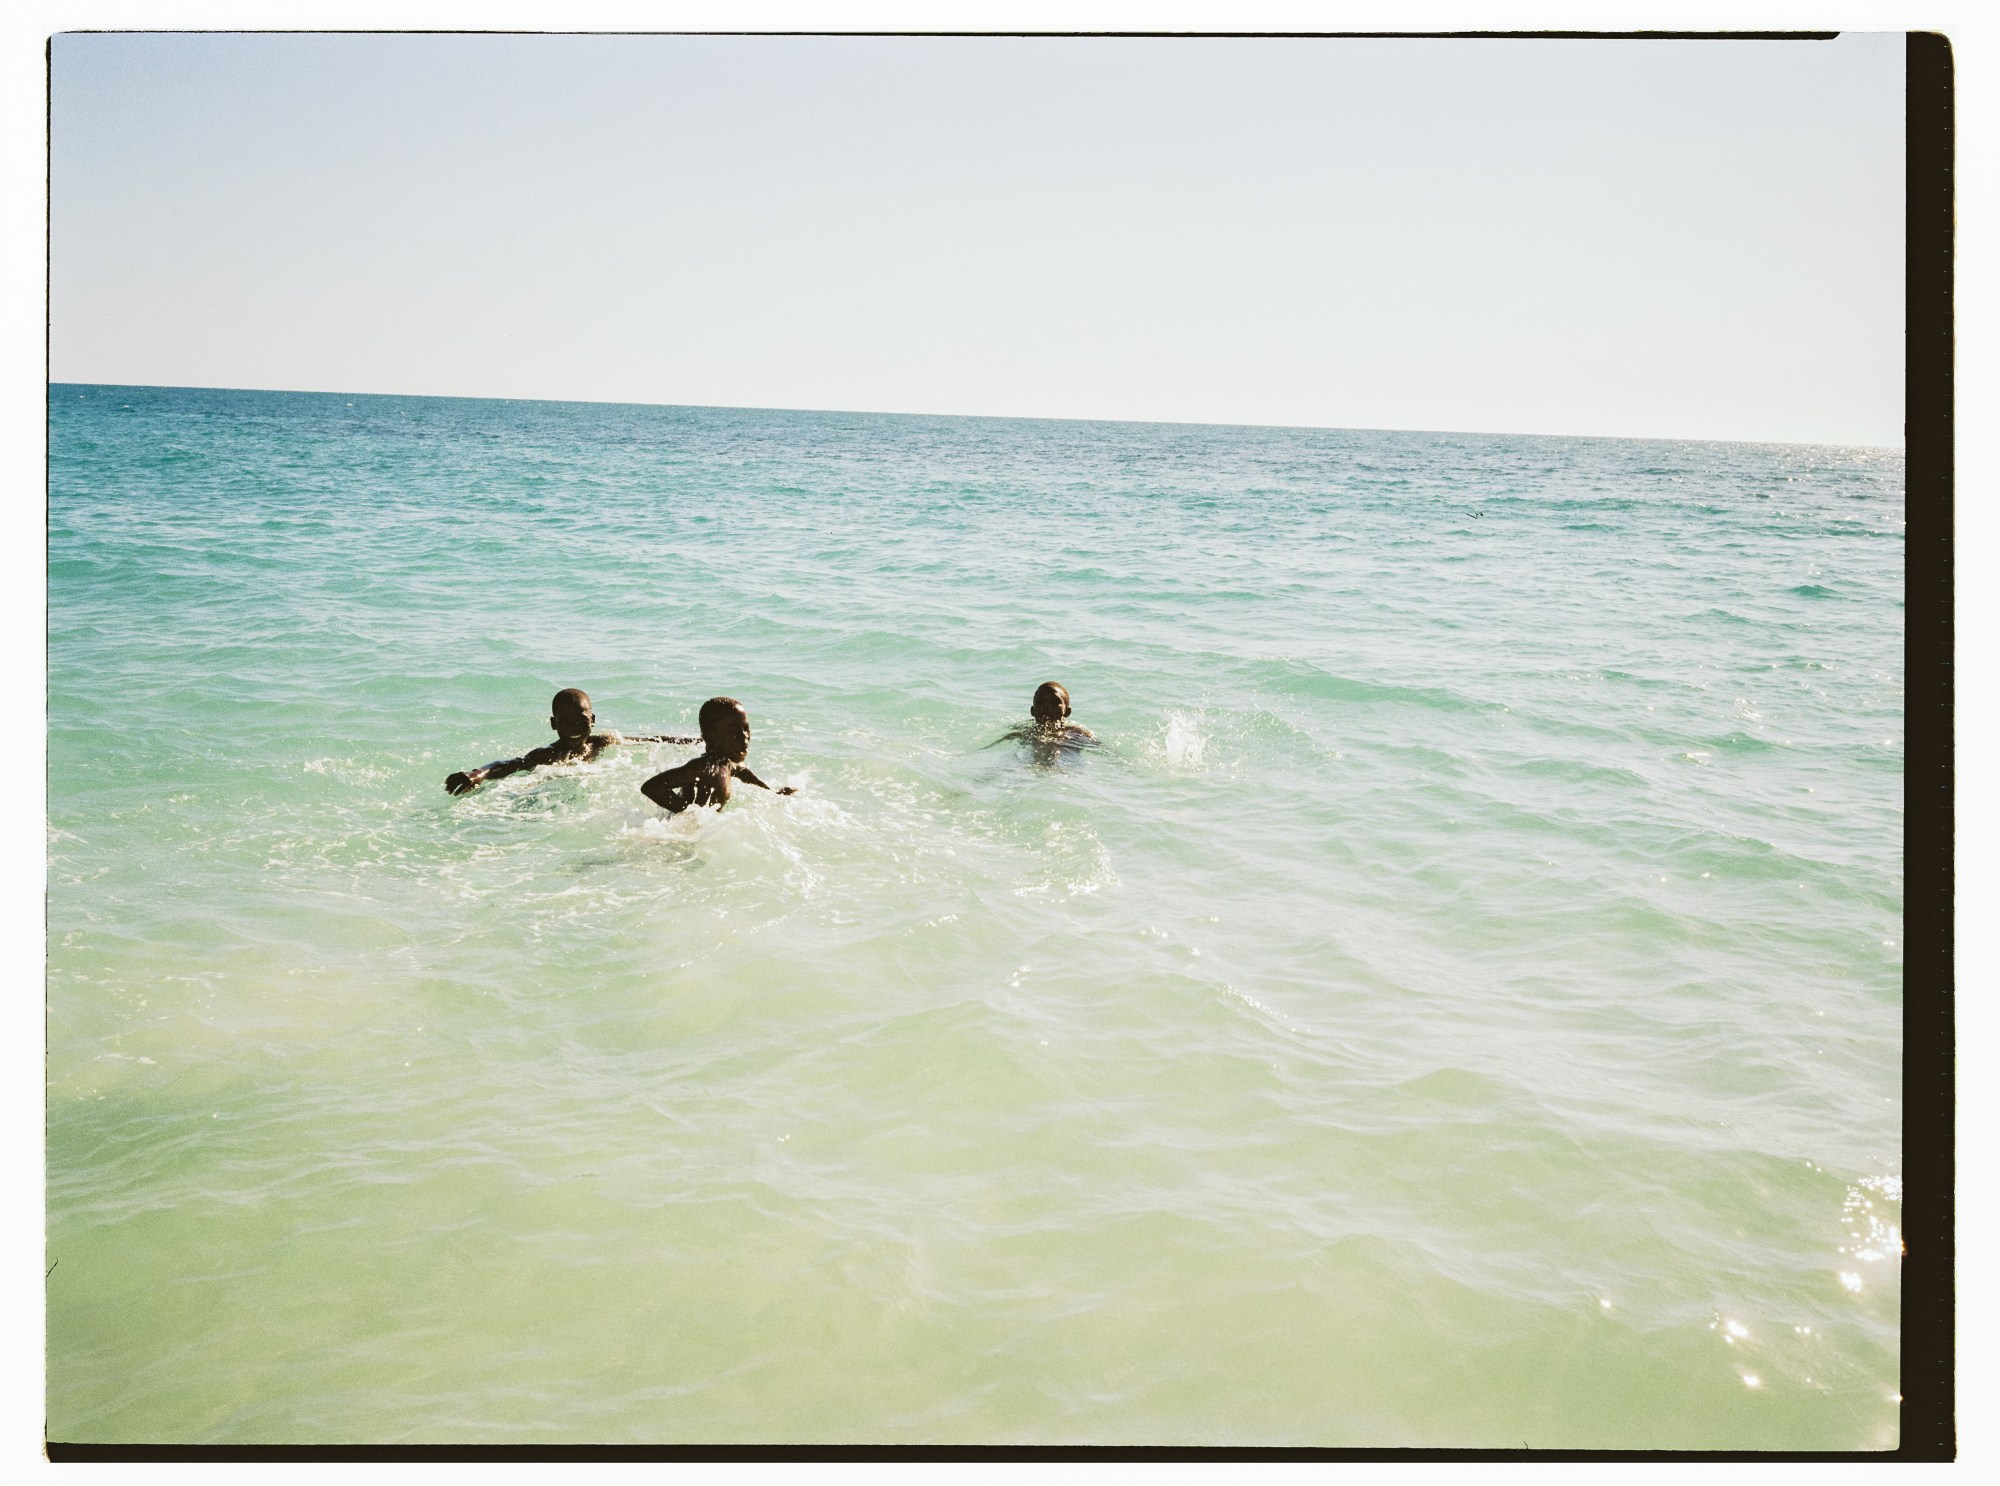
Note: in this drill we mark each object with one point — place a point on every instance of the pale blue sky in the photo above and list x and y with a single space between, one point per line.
1693 239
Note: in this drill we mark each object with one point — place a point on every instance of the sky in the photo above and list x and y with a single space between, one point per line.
1674 239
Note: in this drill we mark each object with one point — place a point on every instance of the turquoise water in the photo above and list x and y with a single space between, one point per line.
1459 1005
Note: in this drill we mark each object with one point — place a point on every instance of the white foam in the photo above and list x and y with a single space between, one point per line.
1183 742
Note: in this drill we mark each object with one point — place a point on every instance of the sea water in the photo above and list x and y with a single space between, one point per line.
1457 1005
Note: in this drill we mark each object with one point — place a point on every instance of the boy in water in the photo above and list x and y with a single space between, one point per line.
725 734
1049 727
570 715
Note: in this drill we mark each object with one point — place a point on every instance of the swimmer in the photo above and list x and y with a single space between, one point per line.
570 715
725 734
1048 729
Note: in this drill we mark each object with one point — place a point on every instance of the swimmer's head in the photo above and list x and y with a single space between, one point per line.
725 728
1051 703
570 714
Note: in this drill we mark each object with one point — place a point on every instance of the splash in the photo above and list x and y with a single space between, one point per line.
1182 742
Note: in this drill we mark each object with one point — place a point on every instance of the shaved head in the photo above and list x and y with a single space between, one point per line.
725 727
570 713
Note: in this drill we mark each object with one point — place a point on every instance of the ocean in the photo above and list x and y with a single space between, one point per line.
1458 1004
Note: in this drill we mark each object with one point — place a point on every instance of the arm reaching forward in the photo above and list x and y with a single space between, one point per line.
699 781
465 782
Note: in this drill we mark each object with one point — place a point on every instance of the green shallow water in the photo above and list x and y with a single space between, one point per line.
1460 1004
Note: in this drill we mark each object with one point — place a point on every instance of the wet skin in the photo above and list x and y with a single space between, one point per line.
708 780
1048 732
1051 744
573 719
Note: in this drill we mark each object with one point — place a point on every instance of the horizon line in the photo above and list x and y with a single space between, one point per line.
993 417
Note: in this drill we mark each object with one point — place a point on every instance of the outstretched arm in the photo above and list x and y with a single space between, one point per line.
466 782
742 772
